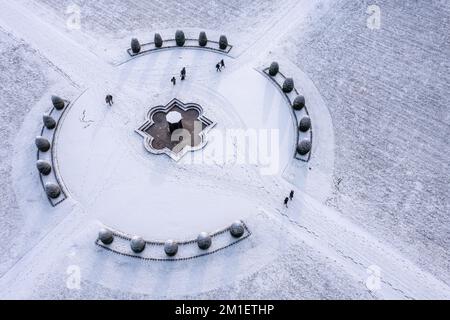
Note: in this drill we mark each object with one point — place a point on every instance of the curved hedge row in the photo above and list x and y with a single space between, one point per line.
180 40
298 104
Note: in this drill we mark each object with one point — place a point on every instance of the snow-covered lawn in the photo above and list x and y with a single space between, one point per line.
24 78
388 94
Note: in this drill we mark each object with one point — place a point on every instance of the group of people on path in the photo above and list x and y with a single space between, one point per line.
182 76
286 200
109 100
220 65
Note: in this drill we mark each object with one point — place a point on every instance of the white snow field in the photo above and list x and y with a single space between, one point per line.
370 215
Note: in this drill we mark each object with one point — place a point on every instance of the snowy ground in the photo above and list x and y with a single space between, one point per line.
15 64
164 198
373 197
388 94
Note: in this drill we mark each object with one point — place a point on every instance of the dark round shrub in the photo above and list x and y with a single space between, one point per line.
274 68
237 229
171 248
158 40
204 241
44 167
223 42
305 124
135 46
304 147
299 103
49 122
288 85
58 103
137 244
52 190
180 39
202 39
42 144
106 236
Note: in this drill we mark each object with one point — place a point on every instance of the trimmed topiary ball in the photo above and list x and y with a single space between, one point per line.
180 39
52 190
304 147
274 68
171 248
204 241
135 46
137 244
44 167
288 85
158 40
305 124
106 236
58 103
49 122
202 39
237 229
223 42
299 103
42 144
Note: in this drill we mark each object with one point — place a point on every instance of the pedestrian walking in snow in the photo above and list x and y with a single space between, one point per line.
291 195
218 68
286 201
109 100
183 73
222 63
173 80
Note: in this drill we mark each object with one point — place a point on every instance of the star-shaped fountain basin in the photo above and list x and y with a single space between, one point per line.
175 129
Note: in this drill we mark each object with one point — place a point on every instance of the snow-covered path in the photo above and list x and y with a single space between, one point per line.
77 64
319 226
361 253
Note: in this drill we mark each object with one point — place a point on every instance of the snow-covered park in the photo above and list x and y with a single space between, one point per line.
302 153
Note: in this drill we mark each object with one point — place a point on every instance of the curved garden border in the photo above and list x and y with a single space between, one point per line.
154 250
278 80
171 44
49 156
